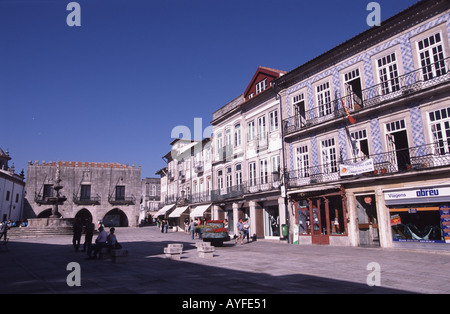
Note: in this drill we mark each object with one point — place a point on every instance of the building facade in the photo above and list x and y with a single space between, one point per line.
12 190
186 182
367 133
248 158
150 198
94 191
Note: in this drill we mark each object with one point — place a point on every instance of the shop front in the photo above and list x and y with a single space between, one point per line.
321 218
420 216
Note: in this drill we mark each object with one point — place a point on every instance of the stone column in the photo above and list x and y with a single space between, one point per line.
235 217
252 206
384 221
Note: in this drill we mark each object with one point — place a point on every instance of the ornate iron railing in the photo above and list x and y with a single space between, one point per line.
399 161
409 83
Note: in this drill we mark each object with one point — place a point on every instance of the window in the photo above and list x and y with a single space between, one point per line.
17 198
303 161
229 177
220 179
252 173
219 143
85 192
228 138
276 168
261 86
237 135
440 129
263 171
360 146
388 74
329 158
48 190
273 116
299 109
7 195
238 174
324 99
431 55
262 127
120 193
251 130
353 87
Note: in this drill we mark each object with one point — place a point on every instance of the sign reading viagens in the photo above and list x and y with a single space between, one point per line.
417 193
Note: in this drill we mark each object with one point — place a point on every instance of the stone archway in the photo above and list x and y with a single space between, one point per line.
115 218
84 215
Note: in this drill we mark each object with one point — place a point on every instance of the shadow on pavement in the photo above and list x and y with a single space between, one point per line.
41 268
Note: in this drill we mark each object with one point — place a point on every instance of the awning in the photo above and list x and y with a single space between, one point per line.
178 211
199 210
163 210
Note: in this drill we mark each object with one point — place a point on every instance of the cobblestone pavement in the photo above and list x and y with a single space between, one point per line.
39 265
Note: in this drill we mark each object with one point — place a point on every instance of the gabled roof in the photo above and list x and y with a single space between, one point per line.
265 71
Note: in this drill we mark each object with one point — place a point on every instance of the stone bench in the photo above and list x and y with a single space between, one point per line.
205 250
173 251
119 255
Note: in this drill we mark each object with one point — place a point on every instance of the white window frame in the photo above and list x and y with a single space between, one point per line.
431 56
273 117
261 86
323 96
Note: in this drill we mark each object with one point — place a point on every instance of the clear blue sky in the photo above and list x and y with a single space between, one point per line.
113 89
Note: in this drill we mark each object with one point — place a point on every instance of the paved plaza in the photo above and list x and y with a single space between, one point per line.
39 265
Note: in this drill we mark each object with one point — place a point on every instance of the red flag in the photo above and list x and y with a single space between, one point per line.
350 118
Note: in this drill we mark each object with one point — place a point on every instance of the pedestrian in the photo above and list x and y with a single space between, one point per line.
77 230
166 225
198 230
192 228
247 230
225 225
3 230
186 226
240 231
88 235
100 243
111 240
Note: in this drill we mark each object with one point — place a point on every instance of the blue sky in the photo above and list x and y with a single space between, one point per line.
113 89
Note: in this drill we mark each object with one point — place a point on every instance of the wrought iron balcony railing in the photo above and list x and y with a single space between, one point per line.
86 200
409 83
400 161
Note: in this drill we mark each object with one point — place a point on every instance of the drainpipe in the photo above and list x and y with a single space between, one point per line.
286 203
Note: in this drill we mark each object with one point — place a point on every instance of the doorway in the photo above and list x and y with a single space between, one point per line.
397 145
366 210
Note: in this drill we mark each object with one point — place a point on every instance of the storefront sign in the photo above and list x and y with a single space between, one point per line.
395 220
356 168
445 222
417 194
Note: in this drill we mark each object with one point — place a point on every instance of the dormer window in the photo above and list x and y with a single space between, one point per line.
261 86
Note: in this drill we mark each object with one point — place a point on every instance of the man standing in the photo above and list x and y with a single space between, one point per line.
100 243
77 229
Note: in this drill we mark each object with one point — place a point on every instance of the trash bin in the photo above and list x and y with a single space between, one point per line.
284 230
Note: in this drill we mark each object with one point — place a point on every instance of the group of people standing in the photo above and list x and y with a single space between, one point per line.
103 240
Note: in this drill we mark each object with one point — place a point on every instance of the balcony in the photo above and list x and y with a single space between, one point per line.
89 200
257 185
200 197
198 167
407 84
122 200
225 153
390 163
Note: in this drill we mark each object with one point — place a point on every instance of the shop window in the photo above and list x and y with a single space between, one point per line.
419 224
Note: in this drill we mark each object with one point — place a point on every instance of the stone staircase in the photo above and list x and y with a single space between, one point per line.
30 232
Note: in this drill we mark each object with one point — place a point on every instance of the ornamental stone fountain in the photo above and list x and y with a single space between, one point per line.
57 199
